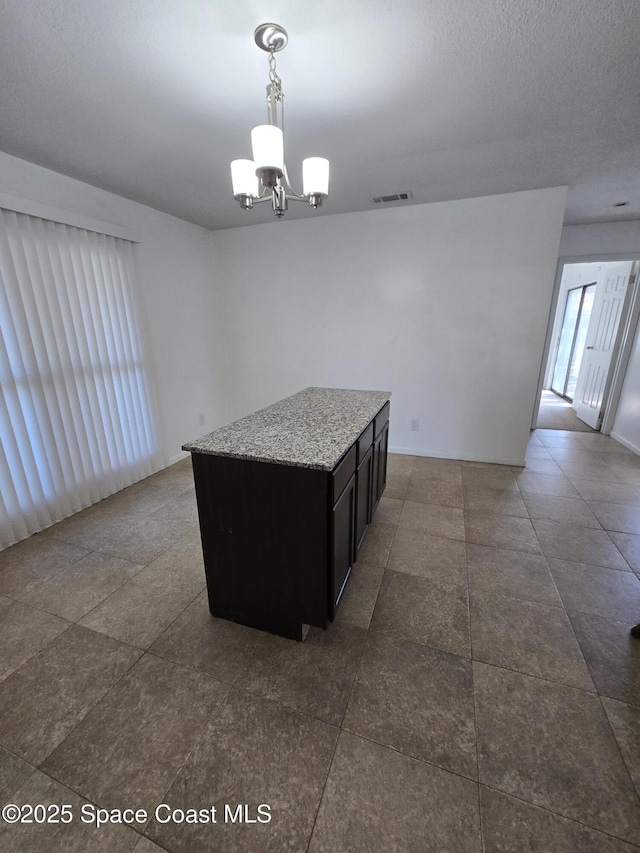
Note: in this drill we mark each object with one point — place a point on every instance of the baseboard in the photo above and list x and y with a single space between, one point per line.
178 457
623 441
510 460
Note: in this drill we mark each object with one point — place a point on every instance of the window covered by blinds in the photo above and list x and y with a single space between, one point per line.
75 415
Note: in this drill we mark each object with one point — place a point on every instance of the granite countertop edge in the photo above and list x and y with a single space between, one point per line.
311 429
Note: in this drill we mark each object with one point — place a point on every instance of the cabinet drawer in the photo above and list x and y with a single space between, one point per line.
343 471
364 443
381 418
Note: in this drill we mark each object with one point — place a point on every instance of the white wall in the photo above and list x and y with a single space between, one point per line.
445 305
601 238
178 296
626 427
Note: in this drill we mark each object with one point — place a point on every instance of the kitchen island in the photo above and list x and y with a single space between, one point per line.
285 496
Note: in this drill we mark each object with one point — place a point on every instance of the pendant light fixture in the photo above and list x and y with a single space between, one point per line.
268 167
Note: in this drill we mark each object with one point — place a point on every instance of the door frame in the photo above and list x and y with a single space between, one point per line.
631 323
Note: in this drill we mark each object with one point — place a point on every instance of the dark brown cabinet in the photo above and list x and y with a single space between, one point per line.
380 450
278 540
343 518
364 493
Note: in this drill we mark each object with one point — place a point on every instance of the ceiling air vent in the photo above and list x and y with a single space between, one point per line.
382 199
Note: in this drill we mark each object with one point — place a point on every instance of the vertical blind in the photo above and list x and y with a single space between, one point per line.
75 416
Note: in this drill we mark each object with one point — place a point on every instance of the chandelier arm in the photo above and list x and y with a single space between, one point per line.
294 194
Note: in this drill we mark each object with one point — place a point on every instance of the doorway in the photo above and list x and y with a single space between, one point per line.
587 344
571 342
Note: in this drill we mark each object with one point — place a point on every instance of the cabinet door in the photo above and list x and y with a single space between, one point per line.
382 459
364 477
343 519
379 478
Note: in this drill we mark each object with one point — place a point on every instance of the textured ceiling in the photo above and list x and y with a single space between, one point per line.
446 98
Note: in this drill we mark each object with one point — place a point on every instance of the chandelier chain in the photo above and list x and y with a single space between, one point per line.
273 76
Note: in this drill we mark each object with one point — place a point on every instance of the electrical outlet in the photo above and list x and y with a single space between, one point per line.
201 419
415 425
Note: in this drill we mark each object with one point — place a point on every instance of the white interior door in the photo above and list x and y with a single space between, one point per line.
601 345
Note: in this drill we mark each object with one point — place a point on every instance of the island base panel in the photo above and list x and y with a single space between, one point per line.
264 541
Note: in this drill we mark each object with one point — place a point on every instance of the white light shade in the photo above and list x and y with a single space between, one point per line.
243 178
315 176
268 147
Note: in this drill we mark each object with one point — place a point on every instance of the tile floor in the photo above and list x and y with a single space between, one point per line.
479 690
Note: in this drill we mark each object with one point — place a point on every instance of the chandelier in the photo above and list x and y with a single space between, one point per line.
267 141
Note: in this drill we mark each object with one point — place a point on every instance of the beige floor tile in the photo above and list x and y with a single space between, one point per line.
253 751
417 700
200 641
495 501
543 484
423 611
612 493
492 477
559 438
388 510
603 444
501 531
434 520
400 463
612 655
74 837
543 466
140 610
24 631
428 556
552 746
536 452
629 546
47 697
141 543
527 637
442 493
625 722
510 825
144 845
617 517
75 591
560 510
593 470
397 485
360 594
592 589
30 563
377 544
436 468
624 474
514 573
361 773
134 742
14 772
583 544
314 677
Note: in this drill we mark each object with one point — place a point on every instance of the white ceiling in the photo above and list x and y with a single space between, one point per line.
449 99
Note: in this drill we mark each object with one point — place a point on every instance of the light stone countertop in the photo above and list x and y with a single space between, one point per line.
311 429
